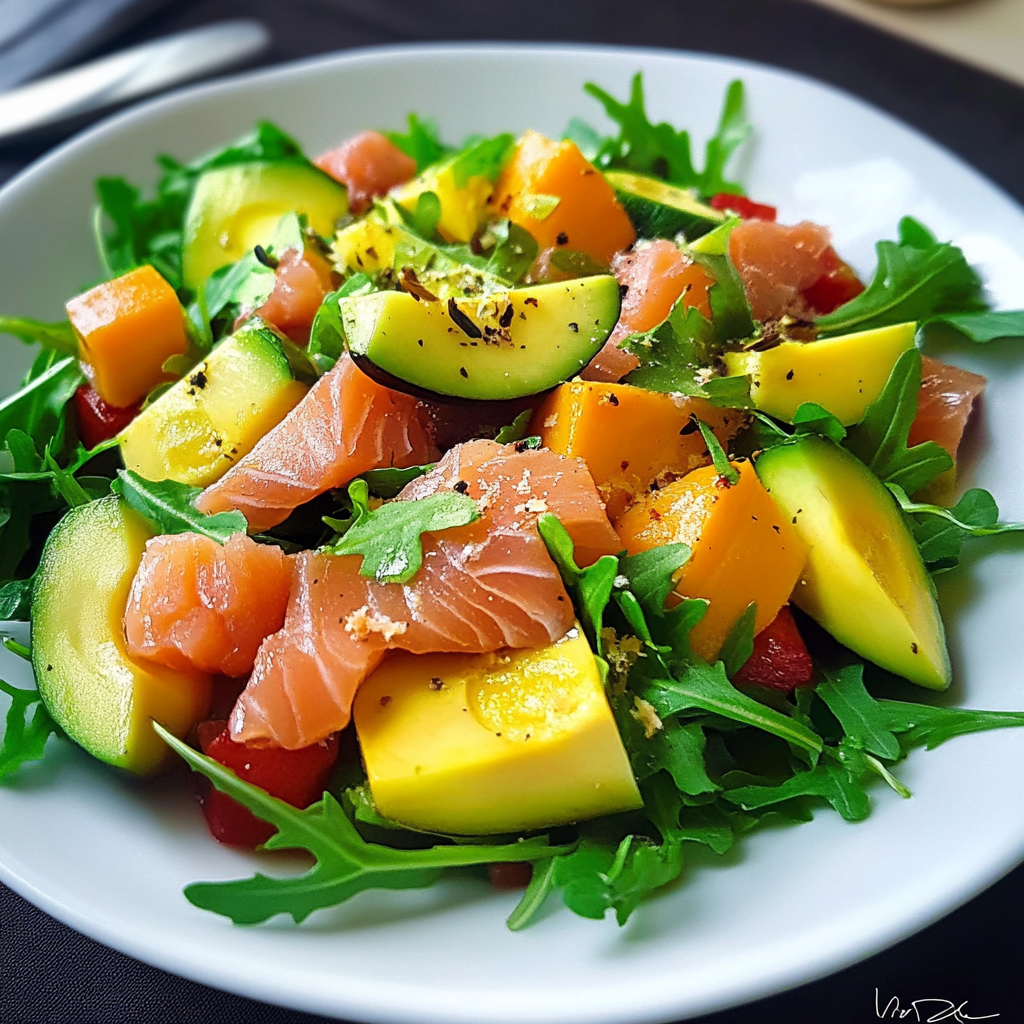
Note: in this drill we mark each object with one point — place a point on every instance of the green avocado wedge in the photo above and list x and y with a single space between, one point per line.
99 696
864 580
507 344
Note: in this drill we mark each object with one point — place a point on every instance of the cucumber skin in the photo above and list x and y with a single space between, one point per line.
656 220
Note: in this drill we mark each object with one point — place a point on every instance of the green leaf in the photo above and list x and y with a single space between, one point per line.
516 430
863 720
590 588
940 532
15 600
921 725
390 538
917 278
679 750
589 141
731 315
483 158
514 252
739 643
542 882
59 336
983 327
661 150
880 439
706 687
168 505
387 482
345 863
24 737
65 484
327 335
672 353
36 407
829 780
651 574
723 467
812 418
421 142
426 215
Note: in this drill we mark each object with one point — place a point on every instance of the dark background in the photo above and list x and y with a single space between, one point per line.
50 974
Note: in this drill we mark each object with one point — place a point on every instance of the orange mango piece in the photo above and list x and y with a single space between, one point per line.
553 191
126 329
627 436
742 547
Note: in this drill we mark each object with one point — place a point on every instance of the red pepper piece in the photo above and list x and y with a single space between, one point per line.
298 777
780 659
744 207
98 421
835 287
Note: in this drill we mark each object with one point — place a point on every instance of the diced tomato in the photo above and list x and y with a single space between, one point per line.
944 404
743 207
780 660
98 421
836 286
368 165
295 776
510 874
302 281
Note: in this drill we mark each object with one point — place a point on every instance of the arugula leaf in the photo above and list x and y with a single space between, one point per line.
36 407
940 532
168 505
59 336
516 430
922 725
15 600
917 277
24 738
862 719
482 158
345 863
662 150
984 327
811 418
880 439
327 335
650 574
387 482
514 252
590 588
421 142
672 353
723 467
731 315
831 780
696 684
390 538
739 642
677 749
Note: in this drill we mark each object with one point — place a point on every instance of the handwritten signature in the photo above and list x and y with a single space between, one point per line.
936 1009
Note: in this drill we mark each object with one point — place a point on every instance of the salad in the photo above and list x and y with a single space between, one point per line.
533 507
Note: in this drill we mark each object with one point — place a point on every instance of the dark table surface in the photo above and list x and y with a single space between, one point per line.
48 973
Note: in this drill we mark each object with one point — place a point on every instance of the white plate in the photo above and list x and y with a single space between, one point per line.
109 856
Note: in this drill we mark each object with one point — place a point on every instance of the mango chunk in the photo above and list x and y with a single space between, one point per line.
462 209
365 247
743 548
844 375
553 191
127 328
627 436
478 744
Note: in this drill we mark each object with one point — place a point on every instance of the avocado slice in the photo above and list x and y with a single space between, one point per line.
843 375
236 208
864 580
481 744
99 696
199 428
660 210
506 344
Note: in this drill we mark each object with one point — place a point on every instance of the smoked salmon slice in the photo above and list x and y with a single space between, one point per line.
482 587
197 605
944 404
346 425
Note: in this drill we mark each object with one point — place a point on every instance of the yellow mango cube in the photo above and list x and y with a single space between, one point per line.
479 744
463 210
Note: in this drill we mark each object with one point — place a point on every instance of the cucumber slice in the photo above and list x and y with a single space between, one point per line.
660 210
511 343
100 697
198 429
236 208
